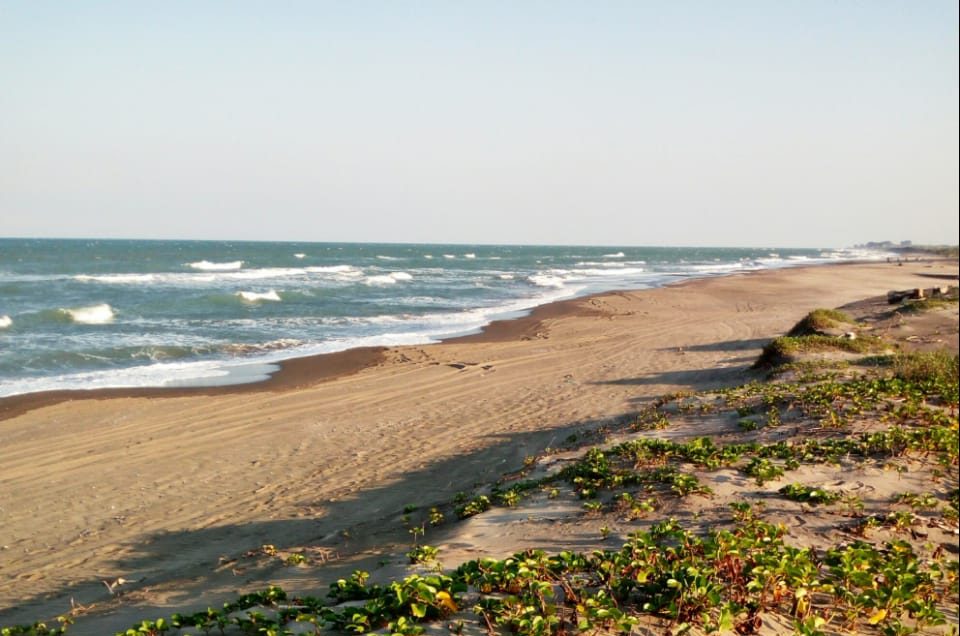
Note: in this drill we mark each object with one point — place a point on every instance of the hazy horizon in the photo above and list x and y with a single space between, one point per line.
459 243
816 124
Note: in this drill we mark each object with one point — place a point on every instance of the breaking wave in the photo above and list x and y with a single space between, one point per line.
93 315
117 278
547 280
255 297
387 279
209 266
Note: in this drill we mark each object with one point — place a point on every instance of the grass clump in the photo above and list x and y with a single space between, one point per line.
926 304
819 320
935 371
783 348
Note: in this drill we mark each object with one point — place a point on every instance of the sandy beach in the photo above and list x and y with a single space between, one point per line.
168 489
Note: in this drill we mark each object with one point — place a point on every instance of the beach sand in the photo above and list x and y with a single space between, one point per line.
169 489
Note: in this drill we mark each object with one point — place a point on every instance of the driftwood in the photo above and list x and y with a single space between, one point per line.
895 296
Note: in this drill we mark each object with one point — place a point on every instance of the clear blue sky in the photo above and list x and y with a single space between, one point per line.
652 123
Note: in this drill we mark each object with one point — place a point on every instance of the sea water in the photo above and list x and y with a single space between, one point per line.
81 314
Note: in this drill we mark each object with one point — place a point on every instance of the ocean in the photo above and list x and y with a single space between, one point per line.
81 314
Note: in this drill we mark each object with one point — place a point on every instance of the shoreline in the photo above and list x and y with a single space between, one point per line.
300 371
161 491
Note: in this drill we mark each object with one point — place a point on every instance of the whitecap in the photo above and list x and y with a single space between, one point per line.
117 278
332 269
208 266
299 255
388 279
506 276
428 256
5 321
449 255
385 279
254 297
599 264
546 280
264 272
616 255
470 255
93 315
387 258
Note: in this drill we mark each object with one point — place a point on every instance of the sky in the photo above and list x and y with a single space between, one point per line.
785 123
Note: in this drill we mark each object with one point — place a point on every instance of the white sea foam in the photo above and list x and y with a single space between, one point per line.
299 255
259 361
208 266
291 336
93 315
546 280
620 272
255 297
188 278
601 264
182 278
616 255
450 256
204 373
387 258
384 279
448 323
428 256
387 279
259 347
346 270
121 279
470 255
265 272
720 268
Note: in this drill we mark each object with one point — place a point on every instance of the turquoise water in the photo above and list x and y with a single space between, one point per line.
98 313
